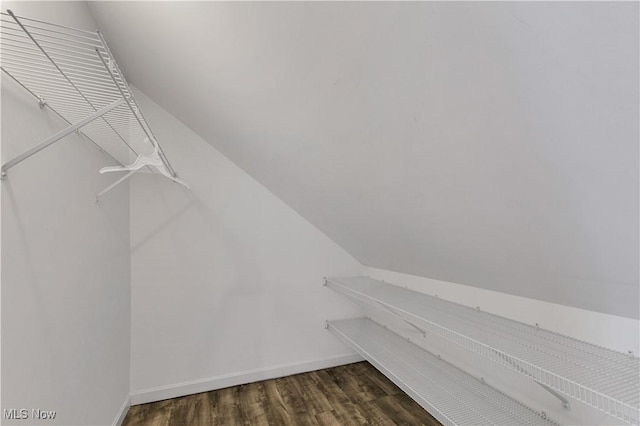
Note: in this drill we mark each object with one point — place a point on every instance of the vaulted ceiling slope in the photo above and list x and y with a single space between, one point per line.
488 144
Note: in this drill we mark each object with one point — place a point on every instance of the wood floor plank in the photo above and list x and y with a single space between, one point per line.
349 414
327 385
401 414
294 400
327 418
375 415
384 384
351 395
252 402
277 411
315 400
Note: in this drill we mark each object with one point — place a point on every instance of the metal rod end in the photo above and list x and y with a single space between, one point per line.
3 174
324 281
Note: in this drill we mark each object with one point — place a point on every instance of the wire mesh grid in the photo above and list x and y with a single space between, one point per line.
600 377
73 73
448 393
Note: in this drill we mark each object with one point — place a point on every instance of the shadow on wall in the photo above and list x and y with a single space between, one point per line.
182 220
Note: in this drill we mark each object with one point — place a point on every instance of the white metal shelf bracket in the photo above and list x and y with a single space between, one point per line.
564 401
61 134
378 305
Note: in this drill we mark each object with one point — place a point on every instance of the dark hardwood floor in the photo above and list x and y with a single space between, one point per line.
355 394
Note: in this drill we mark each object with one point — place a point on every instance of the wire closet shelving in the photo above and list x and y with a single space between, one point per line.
73 73
452 396
599 377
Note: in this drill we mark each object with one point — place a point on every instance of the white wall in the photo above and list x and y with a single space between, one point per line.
65 263
618 333
226 278
493 144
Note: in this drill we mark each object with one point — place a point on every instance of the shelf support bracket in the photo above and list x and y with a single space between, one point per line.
563 400
55 138
114 184
393 312
379 305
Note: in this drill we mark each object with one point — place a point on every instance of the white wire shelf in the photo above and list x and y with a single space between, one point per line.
600 377
448 393
73 73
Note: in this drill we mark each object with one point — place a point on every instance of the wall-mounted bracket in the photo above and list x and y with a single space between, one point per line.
384 307
564 401
114 184
55 138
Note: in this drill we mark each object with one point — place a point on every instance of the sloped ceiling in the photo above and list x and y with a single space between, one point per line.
488 144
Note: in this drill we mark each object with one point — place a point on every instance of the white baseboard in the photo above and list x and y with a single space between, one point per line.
234 379
123 411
